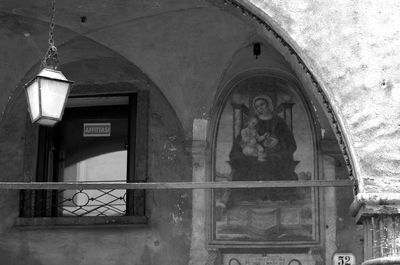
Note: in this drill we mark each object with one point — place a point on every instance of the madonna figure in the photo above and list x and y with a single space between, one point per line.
263 151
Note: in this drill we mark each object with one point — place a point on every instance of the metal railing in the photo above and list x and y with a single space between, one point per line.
92 202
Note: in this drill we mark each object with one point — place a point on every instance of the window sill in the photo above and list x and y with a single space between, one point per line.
81 222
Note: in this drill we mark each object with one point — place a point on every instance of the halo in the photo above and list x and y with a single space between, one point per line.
267 99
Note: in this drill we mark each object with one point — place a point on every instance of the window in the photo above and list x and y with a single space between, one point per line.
100 139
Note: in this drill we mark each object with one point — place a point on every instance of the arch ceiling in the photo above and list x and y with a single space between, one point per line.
177 43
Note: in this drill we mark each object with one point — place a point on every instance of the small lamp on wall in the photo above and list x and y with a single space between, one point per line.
257 49
47 93
288 111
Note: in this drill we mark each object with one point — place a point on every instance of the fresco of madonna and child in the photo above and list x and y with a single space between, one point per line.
264 134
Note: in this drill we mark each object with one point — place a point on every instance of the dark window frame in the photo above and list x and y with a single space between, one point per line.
32 215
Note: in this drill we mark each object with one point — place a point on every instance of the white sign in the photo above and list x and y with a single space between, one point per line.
344 259
97 129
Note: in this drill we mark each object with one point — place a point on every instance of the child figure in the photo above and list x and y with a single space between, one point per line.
250 140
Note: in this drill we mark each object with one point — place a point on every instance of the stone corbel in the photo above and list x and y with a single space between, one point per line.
380 215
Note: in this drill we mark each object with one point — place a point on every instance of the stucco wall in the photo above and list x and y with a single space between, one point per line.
351 47
166 237
185 48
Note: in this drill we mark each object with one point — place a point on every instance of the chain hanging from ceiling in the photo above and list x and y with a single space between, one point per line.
51 58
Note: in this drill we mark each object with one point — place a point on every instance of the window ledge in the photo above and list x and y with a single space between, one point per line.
81 222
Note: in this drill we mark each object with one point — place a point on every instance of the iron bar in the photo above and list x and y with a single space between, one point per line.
172 185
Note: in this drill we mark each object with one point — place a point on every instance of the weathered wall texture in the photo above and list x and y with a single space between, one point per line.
352 48
183 50
166 237
164 240
185 46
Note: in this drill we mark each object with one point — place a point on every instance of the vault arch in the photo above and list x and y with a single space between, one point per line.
302 67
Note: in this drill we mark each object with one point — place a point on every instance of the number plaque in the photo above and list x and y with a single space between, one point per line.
344 259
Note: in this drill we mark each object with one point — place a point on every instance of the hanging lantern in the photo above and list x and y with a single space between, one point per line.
48 92
47 95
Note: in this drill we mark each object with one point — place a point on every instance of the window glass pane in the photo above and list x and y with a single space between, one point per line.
93 146
109 167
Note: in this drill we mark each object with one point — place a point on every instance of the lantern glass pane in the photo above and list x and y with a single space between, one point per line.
54 94
33 99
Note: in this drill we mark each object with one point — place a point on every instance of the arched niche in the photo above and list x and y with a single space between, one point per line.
321 154
248 145
97 71
269 33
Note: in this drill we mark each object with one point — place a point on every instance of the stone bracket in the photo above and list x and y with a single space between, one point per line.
369 204
383 261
